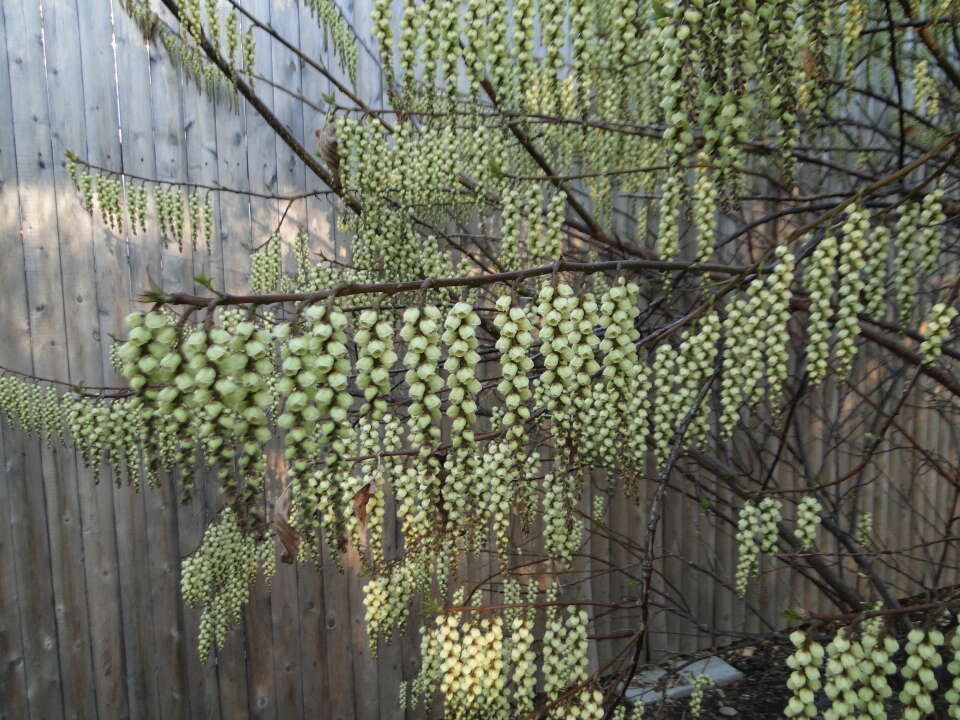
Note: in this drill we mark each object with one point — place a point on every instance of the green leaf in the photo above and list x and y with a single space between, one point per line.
658 10
432 608
329 98
203 280
792 615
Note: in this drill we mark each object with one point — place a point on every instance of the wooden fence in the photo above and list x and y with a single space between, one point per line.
91 624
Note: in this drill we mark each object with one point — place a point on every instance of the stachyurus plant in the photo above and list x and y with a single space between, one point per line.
595 244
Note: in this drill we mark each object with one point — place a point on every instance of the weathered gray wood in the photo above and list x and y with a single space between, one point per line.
42 258
13 653
13 679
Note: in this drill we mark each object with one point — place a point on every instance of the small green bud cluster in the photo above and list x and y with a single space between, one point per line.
446 19
375 359
919 671
552 35
918 238
770 515
844 657
217 577
238 360
598 509
671 200
460 336
72 166
820 282
213 24
524 661
875 665
705 209
679 375
665 368
583 29
588 705
777 298
952 695
387 602
514 343
410 27
94 427
620 713
465 485
194 206
509 255
415 490
546 243
232 32
926 93
499 470
744 356
564 652
170 215
86 188
421 332
248 52
562 532
431 660
108 198
930 237
804 681
316 366
852 259
700 684
865 530
150 339
853 25
473 678
266 266
191 20
936 331
381 17
756 531
875 272
29 410
336 26
206 221
555 306
609 421
808 520
137 207
698 352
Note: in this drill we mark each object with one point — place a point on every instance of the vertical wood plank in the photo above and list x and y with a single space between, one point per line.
42 263
14 654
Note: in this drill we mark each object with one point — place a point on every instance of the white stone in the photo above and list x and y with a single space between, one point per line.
644 687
